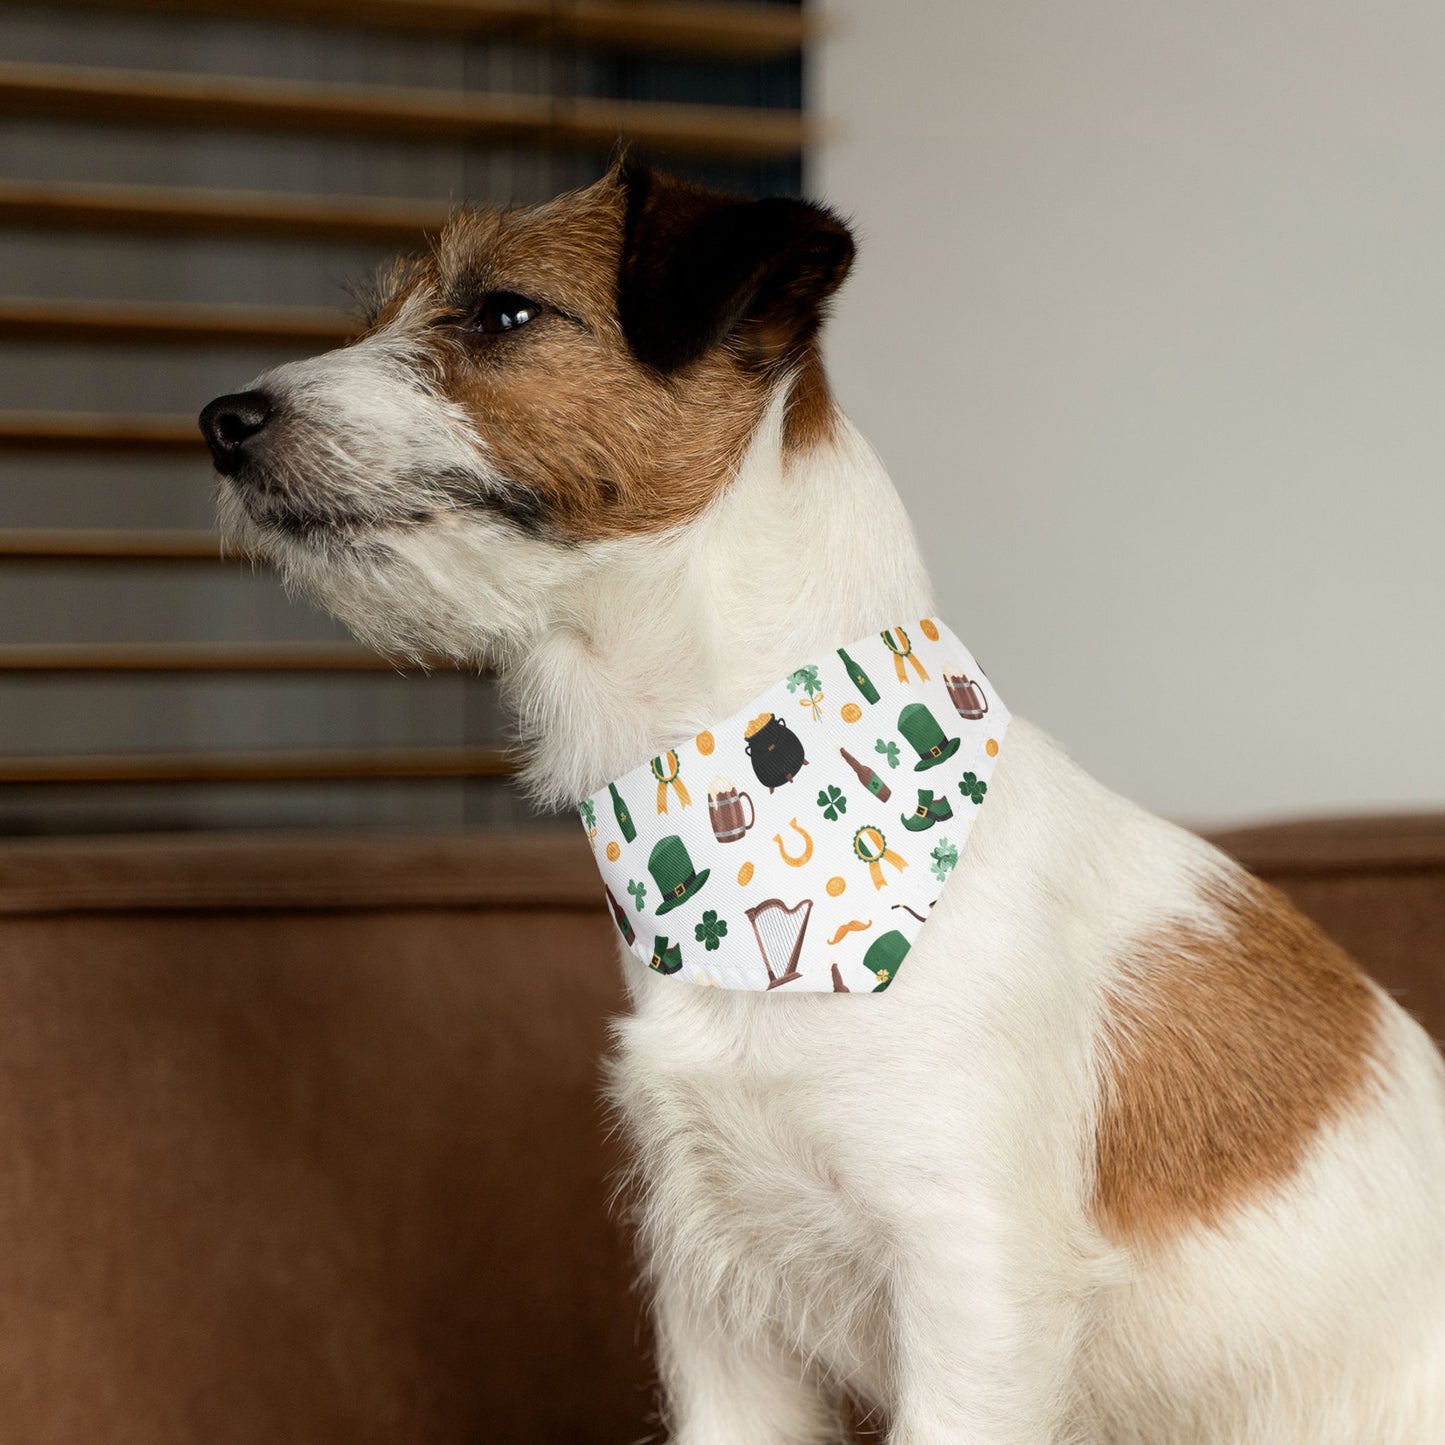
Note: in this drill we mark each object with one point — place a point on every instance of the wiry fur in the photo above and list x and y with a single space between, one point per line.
897 1196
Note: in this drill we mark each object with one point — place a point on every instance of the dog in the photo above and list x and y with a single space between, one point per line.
1131 1153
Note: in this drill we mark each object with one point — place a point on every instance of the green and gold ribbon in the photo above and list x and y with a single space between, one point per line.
902 654
666 770
871 847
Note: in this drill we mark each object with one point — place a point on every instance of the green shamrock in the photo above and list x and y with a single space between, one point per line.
805 678
889 751
589 818
711 931
832 802
944 857
972 787
638 889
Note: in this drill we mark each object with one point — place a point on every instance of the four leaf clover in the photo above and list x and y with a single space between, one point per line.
711 931
944 857
638 889
589 818
973 788
832 802
889 751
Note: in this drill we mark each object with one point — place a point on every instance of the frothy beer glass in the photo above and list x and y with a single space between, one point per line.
968 697
725 808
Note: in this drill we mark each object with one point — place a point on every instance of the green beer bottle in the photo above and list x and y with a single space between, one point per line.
624 818
860 678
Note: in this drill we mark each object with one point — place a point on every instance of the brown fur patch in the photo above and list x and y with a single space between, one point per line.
812 415
1226 1053
605 445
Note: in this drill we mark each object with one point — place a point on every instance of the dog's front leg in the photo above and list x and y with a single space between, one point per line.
724 1387
984 1338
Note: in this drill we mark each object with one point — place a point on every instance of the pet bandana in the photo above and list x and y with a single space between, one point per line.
800 844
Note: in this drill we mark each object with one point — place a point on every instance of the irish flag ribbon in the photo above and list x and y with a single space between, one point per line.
902 651
872 848
666 769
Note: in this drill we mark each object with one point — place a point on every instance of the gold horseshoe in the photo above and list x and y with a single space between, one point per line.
807 852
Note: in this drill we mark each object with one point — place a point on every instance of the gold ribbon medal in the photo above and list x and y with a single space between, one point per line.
872 848
666 770
903 653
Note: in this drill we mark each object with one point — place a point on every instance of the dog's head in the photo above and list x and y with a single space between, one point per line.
545 383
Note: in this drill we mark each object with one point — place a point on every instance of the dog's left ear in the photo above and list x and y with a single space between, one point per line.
701 266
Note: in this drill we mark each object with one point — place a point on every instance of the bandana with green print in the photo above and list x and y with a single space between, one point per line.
799 845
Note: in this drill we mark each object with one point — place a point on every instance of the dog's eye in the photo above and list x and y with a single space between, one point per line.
504 311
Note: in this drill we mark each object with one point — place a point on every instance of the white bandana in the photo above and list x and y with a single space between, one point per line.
800 844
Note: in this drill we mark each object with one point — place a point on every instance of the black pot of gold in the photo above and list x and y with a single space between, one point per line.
776 752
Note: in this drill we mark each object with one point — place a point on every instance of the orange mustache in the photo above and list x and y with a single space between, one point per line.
854 927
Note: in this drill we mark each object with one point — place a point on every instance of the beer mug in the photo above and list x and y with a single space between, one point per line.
725 808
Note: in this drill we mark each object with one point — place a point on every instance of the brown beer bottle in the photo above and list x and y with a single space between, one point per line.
624 924
868 777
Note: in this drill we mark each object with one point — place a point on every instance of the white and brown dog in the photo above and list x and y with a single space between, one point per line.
1132 1153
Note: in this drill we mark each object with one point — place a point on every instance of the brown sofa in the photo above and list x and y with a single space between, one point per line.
302 1140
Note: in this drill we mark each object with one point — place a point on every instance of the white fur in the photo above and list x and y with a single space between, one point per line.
930 1247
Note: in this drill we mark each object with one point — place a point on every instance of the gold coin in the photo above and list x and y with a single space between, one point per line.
930 629
705 743
613 852
850 712
835 886
745 874
991 747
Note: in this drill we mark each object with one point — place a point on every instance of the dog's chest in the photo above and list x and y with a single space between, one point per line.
753 1172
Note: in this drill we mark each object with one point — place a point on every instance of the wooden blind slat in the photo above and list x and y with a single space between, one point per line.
218 102
176 323
271 766
186 657
171 323
78 431
762 32
84 544
755 32
173 211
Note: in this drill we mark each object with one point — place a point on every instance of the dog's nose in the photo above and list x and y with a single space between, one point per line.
229 422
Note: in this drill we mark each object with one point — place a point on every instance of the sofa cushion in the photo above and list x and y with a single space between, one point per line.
303 1141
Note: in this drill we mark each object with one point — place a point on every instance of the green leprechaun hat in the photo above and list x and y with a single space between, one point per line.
884 955
921 729
672 871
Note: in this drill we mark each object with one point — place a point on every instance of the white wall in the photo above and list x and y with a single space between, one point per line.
1149 324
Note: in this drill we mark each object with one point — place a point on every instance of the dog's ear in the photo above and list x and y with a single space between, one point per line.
700 266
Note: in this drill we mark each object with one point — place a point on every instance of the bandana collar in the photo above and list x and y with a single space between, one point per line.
799 844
